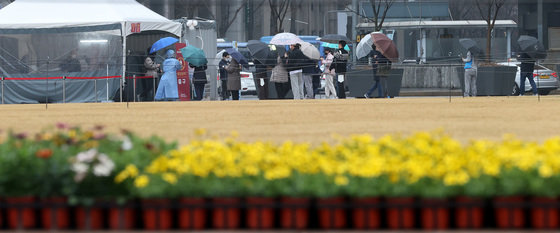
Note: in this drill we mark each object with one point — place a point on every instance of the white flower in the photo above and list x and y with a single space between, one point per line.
127 144
100 170
80 167
104 167
87 156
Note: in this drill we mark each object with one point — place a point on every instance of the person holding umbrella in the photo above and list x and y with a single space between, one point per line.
294 65
224 62
380 65
340 61
471 65
234 78
527 67
167 88
199 80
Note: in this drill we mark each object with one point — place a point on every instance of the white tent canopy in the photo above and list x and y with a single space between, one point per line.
73 38
41 14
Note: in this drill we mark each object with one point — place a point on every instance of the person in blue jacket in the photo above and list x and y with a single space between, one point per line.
167 88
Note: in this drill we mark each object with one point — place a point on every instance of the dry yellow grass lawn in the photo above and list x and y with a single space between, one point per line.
305 121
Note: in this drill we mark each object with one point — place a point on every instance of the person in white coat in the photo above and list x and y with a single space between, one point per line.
328 74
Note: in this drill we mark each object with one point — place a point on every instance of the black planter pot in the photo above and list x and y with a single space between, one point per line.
492 80
360 80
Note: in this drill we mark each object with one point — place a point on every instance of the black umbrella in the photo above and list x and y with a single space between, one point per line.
259 50
470 45
334 38
532 46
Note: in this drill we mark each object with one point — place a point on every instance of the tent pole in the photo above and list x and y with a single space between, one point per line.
107 83
123 32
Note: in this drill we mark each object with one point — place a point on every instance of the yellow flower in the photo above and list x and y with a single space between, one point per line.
200 132
131 170
121 176
341 180
170 178
141 181
72 133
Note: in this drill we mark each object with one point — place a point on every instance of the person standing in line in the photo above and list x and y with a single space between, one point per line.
199 80
261 79
330 91
295 58
234 79
151 70
309 68
224 75
470 74
374 54
527 68
280 78
340 62
167 88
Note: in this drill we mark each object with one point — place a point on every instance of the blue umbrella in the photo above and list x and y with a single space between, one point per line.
194 55
162 43
237 56
334 46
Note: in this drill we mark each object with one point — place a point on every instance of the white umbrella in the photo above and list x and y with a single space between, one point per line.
364 47
218 57
310 51
285 38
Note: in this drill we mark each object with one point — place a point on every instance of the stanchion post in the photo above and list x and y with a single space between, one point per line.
2 90
134 84
95 88
121 86
64 89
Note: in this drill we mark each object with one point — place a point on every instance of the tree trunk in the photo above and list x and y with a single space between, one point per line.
488 43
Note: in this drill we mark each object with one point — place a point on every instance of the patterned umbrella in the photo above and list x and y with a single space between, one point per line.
285 38
382 43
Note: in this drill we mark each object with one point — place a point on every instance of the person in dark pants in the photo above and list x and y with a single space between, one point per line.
280 78
234 79
199 81
527 69
223 75
261 77
340 61
380 65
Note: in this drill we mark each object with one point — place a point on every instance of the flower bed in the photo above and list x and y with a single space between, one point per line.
425 170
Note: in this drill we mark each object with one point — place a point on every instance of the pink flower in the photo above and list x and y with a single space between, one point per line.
61 125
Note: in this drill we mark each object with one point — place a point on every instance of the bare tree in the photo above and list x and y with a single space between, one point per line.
279 9
489 10
380 8
229 15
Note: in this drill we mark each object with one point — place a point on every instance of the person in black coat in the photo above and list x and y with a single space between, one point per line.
527 68
261 75
223 74
199 81
340 61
